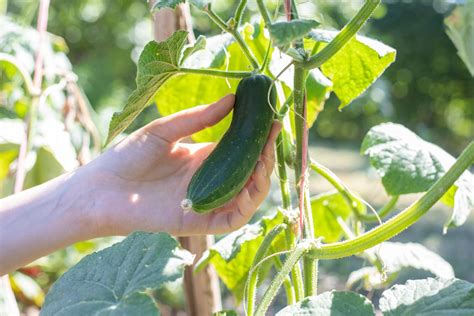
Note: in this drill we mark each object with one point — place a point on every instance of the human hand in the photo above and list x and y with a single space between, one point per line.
139 183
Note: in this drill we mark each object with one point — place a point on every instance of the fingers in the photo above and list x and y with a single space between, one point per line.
184 123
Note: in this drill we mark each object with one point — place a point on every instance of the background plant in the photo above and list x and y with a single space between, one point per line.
354 210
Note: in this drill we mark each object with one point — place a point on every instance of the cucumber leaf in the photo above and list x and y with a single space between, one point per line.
397 257
331 304
120 279
429 297
409 164
157 63
356 66
318 89
232 256
285 32
191 49
327 207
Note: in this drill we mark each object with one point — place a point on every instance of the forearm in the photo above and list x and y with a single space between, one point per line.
43 219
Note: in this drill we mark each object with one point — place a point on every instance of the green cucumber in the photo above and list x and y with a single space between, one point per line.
227 169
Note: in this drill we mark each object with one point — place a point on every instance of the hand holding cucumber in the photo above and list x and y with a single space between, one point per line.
142 181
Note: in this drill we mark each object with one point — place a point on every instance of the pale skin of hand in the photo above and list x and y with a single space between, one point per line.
136 185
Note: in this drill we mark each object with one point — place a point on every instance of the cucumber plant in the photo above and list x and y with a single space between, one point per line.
304 63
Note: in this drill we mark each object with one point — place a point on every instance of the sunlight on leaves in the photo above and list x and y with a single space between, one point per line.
356 66
408 164
429 297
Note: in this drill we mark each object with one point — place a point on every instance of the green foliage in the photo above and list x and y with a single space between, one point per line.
332 303
120 279
429 297
327 208
408 164
356 66
285 32
232 255
318 88
221 53
157 63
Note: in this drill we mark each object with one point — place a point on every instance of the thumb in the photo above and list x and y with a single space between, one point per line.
184 123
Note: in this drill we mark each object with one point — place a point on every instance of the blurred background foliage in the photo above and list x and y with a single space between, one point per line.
428 88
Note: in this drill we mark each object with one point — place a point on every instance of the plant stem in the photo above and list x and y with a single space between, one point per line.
401 221
309 265
255 268
26 144
216 72
235 33
349 30
286 203
264 13
301 249
289 290
240 12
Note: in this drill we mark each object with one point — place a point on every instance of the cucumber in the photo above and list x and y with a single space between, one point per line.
228 167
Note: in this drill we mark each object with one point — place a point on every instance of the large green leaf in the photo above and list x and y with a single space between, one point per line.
397 256
408 164
434 297
157 63
356 66
285 32
121 279
188 90
327 207
332 303
232 256
460 29
318 88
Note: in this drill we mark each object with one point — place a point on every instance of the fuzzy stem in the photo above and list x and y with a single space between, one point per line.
309 265
272 290
401 221
264 12
255 269
235 33
289 290
239 12
286 203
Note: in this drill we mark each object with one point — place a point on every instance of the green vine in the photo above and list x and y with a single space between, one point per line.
343 37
